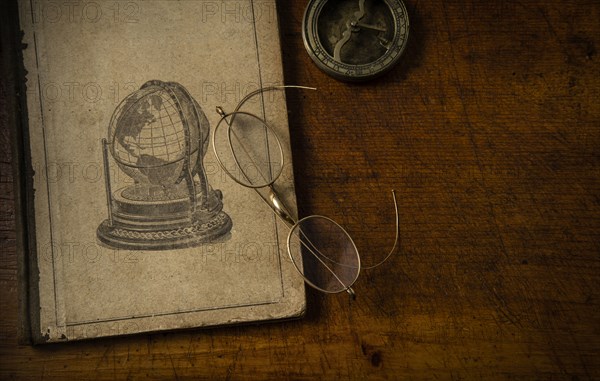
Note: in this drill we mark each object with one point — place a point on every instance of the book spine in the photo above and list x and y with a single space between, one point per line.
13 74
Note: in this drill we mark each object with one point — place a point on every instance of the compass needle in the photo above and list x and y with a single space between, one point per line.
384 42
337 53
373 27
361 13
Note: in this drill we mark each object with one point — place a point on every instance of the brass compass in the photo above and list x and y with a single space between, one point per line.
355 40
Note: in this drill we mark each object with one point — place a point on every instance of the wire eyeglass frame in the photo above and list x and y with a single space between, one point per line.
273 200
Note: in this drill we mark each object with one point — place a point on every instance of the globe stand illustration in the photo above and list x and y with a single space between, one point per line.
158 137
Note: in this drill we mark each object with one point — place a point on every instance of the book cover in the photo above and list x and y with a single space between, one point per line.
132 226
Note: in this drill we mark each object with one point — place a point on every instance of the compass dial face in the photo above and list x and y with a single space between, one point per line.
355 40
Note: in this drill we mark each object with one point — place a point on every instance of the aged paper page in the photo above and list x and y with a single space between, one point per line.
83 60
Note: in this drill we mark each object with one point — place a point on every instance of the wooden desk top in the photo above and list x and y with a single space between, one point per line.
489 130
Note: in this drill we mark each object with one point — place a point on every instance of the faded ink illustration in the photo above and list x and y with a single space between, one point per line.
158 136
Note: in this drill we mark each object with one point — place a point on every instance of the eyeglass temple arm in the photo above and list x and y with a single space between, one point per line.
396 240
270 88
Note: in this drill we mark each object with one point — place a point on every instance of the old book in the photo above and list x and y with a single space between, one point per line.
132 226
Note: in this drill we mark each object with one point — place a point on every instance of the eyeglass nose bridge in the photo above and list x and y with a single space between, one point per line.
279 208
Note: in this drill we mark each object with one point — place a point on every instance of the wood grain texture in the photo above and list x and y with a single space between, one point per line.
489 130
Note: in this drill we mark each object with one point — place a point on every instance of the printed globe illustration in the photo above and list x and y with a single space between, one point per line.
148 134
158 136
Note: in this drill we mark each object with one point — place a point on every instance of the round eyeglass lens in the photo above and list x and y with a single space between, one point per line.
324 253
248 149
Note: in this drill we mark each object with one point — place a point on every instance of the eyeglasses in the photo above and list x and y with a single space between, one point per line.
249 151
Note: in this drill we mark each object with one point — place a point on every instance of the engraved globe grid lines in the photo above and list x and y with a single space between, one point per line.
162 136
326 62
